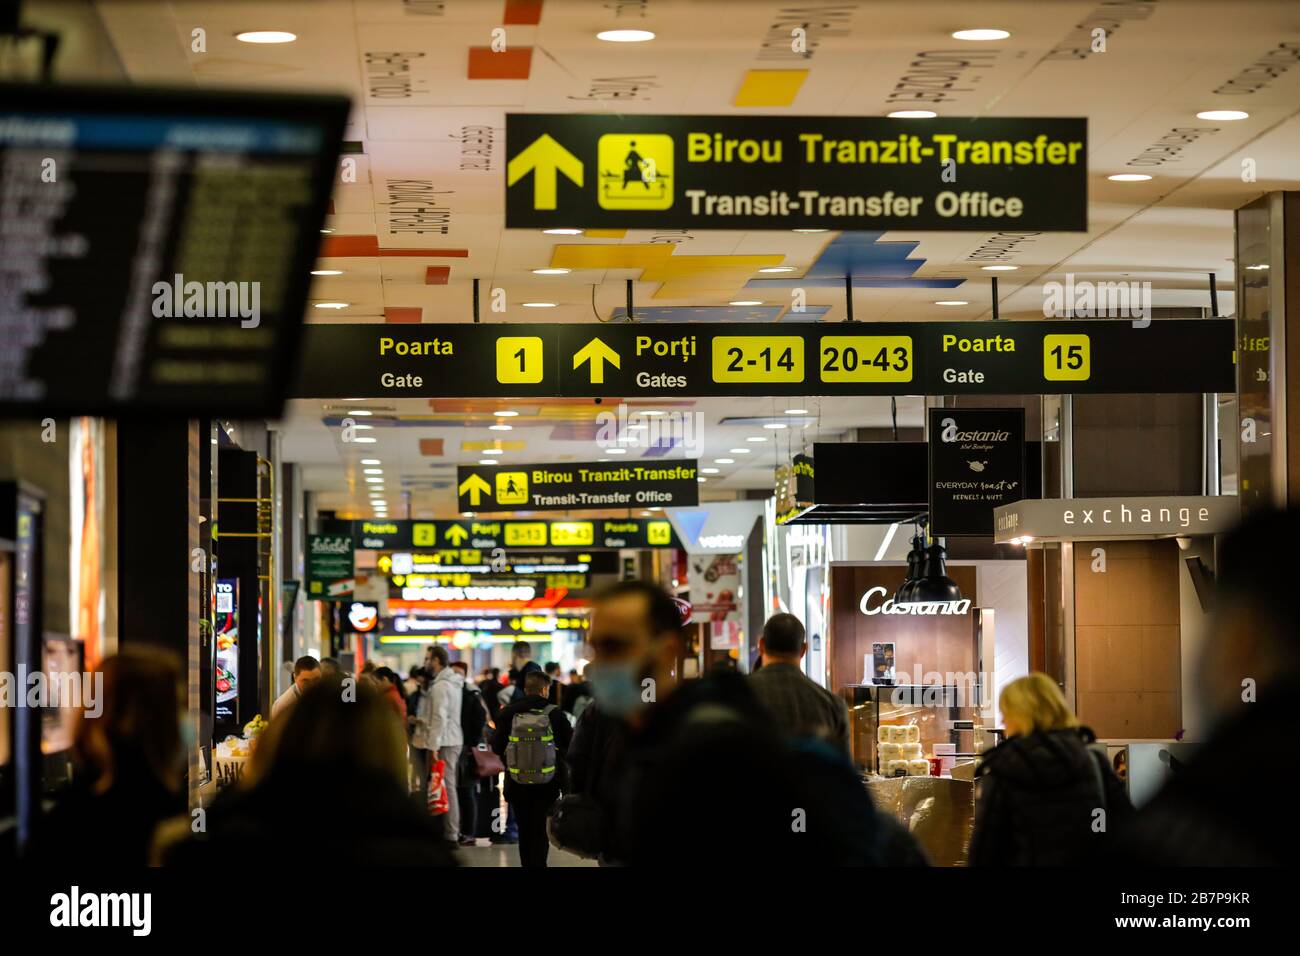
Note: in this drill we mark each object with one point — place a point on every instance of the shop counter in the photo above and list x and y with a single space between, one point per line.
939 812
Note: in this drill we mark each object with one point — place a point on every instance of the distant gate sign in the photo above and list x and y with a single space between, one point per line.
578 485
793 172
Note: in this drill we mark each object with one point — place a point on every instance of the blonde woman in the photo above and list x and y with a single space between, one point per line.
1046 798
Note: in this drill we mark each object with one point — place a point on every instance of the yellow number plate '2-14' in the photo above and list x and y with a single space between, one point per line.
866 358
758 358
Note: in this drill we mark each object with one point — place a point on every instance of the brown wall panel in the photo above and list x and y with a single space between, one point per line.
940 643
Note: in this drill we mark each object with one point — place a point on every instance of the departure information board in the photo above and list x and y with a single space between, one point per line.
156 246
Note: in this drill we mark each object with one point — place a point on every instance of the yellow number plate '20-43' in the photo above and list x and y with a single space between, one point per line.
872 358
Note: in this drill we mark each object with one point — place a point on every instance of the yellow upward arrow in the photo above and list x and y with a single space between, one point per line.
476 487
597 353
456 534
545 159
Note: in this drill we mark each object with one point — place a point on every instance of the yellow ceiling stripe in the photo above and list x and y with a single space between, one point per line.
770 87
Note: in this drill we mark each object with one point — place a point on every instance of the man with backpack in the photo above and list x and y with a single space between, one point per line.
473 723
532 737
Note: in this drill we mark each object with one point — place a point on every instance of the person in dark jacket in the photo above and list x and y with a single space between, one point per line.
802 707
595 765
1248 678
521 665
335 765
711 743
532 802
1045 797
129 766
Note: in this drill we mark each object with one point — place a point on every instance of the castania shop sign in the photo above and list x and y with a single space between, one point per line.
889 606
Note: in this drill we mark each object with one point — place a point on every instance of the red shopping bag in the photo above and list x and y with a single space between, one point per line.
438 788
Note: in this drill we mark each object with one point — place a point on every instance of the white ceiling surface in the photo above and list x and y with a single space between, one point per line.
1162 64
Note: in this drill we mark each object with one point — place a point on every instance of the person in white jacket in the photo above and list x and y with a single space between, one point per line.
438 731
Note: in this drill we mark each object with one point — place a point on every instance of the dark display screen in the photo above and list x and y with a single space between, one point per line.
155 247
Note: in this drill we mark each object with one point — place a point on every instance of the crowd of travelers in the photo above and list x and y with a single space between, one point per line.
630 764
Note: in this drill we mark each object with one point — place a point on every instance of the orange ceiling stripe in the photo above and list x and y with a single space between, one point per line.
437 275
367 247
403 315
514 63
431 447
522 12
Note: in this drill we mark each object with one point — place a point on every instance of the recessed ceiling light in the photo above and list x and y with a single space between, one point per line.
912 114
539 305
551 272
771 269
500 428
625 36
1223 116
807 231
709 471
487 461
637 427
364 440
326 232
1260 267
1129 178
360 411
984 34
746 302
724 461
332 305
494 451
467 514
375 481
952 302
365 427
505 414
756 438
562 232
999 268
701 479
374 471
775 426
739 451
371 461
327 272
615 451
796 411
266 36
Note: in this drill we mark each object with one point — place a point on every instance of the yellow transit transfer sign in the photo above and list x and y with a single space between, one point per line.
758 358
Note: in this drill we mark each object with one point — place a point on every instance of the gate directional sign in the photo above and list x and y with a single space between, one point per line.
586 360
791 172
535 535
577 485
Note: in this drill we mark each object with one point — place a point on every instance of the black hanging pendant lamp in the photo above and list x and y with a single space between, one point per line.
934 583
915 559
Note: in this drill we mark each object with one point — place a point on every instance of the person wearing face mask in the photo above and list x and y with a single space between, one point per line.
1248 678
670 772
